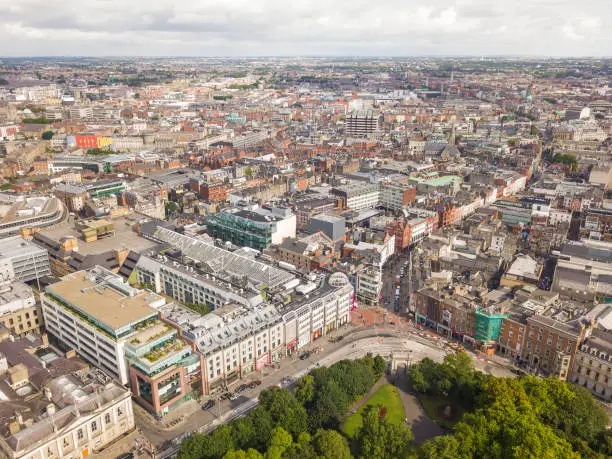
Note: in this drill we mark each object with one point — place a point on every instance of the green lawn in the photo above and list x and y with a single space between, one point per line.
386 396
433 407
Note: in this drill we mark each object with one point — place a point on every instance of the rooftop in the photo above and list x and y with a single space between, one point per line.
15 246
103 296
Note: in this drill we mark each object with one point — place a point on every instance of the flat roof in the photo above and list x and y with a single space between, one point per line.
16 246
103 302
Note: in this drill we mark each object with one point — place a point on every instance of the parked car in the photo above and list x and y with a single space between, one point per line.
305 355
254 384
208 405
126 456
234 396
241 388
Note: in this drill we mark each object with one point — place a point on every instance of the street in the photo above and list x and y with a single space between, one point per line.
383 340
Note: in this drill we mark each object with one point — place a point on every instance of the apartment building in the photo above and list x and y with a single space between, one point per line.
96 313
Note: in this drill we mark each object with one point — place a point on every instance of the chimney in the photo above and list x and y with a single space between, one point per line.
47 393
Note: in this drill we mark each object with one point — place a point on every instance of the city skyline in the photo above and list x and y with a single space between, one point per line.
270 28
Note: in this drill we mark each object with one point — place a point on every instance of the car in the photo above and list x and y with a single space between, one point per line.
519 372
126 456
225 395
305 355
208 405
241 388
234 396
253 384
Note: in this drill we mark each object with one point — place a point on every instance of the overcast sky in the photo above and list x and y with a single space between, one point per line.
304 27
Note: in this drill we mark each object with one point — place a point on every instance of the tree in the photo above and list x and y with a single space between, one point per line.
243 433
379 439
304 392
441 447
417 379
328 406
241 454
198 307
47 135
248 171
329 444
379 365
280 440
285 411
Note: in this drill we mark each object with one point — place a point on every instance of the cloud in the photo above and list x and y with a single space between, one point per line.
324 27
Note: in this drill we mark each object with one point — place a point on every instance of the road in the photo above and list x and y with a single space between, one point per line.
357 343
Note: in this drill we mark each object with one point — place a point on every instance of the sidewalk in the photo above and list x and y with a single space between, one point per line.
423 427
363 400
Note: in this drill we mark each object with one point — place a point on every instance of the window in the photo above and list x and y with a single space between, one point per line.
119 411
94 426
80 434
107 418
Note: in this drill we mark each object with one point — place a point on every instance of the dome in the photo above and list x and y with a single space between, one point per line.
338 280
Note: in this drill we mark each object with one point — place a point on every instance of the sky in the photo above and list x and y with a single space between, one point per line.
305 27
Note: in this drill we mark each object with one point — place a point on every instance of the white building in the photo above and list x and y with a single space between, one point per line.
369 285
358 196
236 340
81 113
394 195
188 285
557 216
29 261
592 366
96 313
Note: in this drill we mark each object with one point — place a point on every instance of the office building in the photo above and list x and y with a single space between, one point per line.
358 196
162 368
361 123
169 274
334 227
251 226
